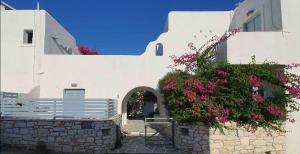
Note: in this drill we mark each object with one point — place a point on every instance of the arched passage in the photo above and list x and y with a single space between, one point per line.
159 99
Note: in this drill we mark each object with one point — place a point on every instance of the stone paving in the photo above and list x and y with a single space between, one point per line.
135 127
136 144
134 140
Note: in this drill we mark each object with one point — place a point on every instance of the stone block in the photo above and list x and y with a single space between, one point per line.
80 132
229 143
259 142
217 137
43 131
51 139
30 124
24 131
20 124
58 129
81 140
44 123
215 151
217 145
72 132
67 148
90 139
27 137
244 141
279 140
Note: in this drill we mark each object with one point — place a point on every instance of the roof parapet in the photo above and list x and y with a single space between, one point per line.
6 6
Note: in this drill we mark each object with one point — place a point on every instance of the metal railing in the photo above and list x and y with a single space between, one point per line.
160 124
49 108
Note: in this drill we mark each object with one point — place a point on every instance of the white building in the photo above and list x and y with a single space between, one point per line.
39 57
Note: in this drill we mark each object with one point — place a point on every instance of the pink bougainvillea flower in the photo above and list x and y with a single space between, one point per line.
222 73
211 86
256 117
294 91
225 111
203 97
170 85
196 107
283 78
87 51
190 94
223 117
275 110
222 81
254 81
258 98
210 107
188 82
293 66
197 84
203 90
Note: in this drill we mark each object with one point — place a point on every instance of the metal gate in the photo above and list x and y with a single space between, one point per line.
160 125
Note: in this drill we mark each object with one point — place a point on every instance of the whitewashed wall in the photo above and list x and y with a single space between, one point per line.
270 11
19 61
63 38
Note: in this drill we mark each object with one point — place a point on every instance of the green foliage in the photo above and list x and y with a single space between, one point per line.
251 95
135 104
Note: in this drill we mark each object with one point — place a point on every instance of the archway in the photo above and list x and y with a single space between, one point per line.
151 92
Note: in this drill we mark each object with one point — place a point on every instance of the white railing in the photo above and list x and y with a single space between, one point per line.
45 108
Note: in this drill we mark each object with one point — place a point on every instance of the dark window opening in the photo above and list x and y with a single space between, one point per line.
159 49
253 25
28 37
106 132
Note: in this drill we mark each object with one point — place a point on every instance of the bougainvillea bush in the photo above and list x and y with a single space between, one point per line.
251 95
87 51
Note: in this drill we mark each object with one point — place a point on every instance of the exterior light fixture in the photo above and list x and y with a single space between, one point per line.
74 85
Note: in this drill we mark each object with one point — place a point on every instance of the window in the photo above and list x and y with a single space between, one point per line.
253 25
28 36
159 49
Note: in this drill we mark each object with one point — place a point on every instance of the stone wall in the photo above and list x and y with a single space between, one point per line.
82 136
198 138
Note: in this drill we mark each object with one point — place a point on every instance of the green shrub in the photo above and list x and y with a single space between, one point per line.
252 95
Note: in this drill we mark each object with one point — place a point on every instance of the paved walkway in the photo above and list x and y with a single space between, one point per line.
136 144
136 127
134 140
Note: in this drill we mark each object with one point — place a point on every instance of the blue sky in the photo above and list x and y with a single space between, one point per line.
118 26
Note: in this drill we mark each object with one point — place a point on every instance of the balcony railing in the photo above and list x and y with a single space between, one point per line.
49 108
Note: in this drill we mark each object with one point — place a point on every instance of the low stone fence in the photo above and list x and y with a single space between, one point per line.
198 138
65 135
